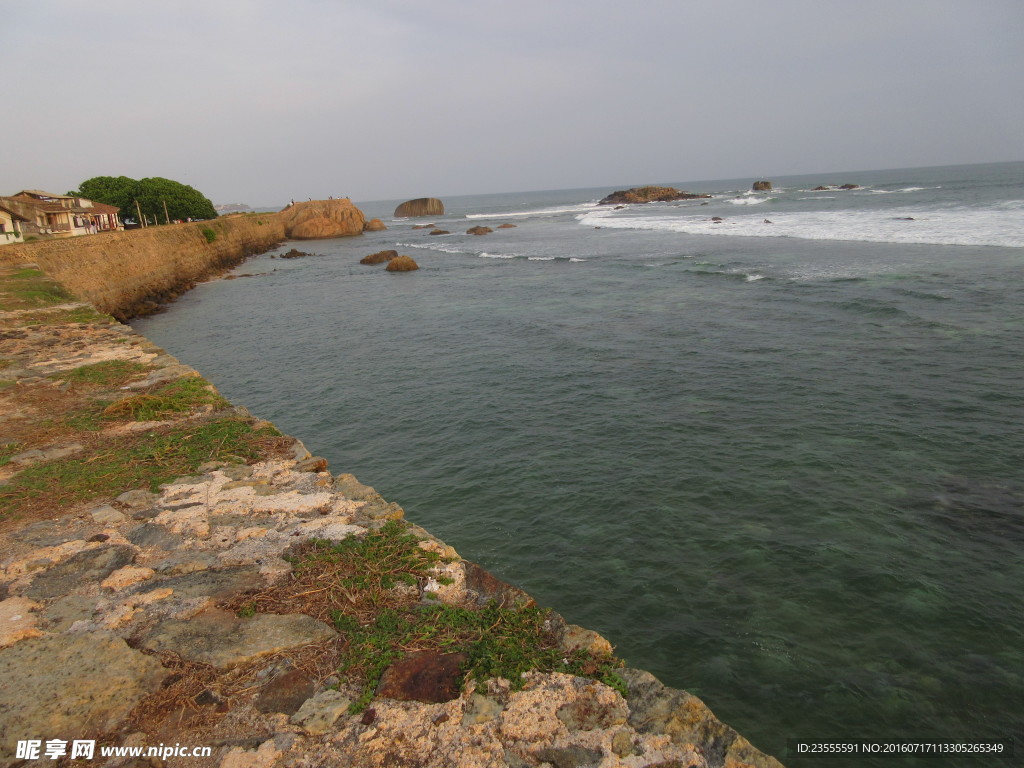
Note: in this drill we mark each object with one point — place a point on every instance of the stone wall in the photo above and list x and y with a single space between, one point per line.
130 273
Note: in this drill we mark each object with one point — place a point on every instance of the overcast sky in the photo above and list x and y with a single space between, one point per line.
262 101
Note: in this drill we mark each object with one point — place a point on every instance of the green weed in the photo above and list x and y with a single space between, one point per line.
179 396
7 450
109 373
146 460
356 580
209 234
29 288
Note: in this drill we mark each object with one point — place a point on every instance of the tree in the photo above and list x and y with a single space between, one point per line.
182 201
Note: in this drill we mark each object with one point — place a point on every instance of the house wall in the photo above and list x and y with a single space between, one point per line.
11 233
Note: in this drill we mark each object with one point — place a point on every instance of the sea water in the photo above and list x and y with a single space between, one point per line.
776 459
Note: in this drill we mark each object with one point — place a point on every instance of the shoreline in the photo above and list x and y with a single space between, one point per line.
243 516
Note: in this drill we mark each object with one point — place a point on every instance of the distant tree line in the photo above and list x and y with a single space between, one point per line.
182 201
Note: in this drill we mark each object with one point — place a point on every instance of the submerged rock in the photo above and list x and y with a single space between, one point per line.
374 225
379 257
402 264
479 230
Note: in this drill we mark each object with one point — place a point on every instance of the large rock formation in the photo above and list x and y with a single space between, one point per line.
648 195
421 206
319 219
762 186
374 225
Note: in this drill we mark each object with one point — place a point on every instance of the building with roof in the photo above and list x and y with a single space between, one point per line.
44 214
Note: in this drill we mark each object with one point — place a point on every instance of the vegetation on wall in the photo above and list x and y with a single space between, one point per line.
182 201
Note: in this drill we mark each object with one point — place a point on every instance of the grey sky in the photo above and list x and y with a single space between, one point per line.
261 101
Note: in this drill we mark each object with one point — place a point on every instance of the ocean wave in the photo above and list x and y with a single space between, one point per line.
436 247
535 211
996 226
485 255
750 200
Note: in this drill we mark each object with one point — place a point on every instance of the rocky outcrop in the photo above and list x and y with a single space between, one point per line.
478 230
379 257
648 195
762 186
439 232
506 225
374 225
322 219
421 206
402 264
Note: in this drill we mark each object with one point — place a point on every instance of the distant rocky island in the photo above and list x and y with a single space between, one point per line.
648 195
421 206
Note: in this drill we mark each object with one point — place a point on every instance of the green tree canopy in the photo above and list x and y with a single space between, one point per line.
183 201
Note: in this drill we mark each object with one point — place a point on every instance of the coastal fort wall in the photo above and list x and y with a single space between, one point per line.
151 591
126 274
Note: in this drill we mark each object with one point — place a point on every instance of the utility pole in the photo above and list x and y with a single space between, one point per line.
142 221
167 218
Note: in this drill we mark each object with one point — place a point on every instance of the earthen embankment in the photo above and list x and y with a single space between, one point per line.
131 273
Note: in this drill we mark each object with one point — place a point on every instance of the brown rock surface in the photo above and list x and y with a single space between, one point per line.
421 206
402 264
506 225
224 640
379 257
427 676
319 219
648 195
70 686
374 225
479 231
762 186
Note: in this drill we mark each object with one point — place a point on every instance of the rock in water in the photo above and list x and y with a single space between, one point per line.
374 225
648 195
379 258
421 206
402 264
479 231
762 186
319 219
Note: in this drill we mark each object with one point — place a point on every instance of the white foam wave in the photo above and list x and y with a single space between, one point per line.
996 226
434 247
540 258
486 255
535 212
573 258
818 197
749 200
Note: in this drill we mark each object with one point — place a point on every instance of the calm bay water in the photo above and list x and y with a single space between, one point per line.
776 464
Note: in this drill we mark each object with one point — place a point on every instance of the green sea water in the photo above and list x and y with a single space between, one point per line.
782 471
